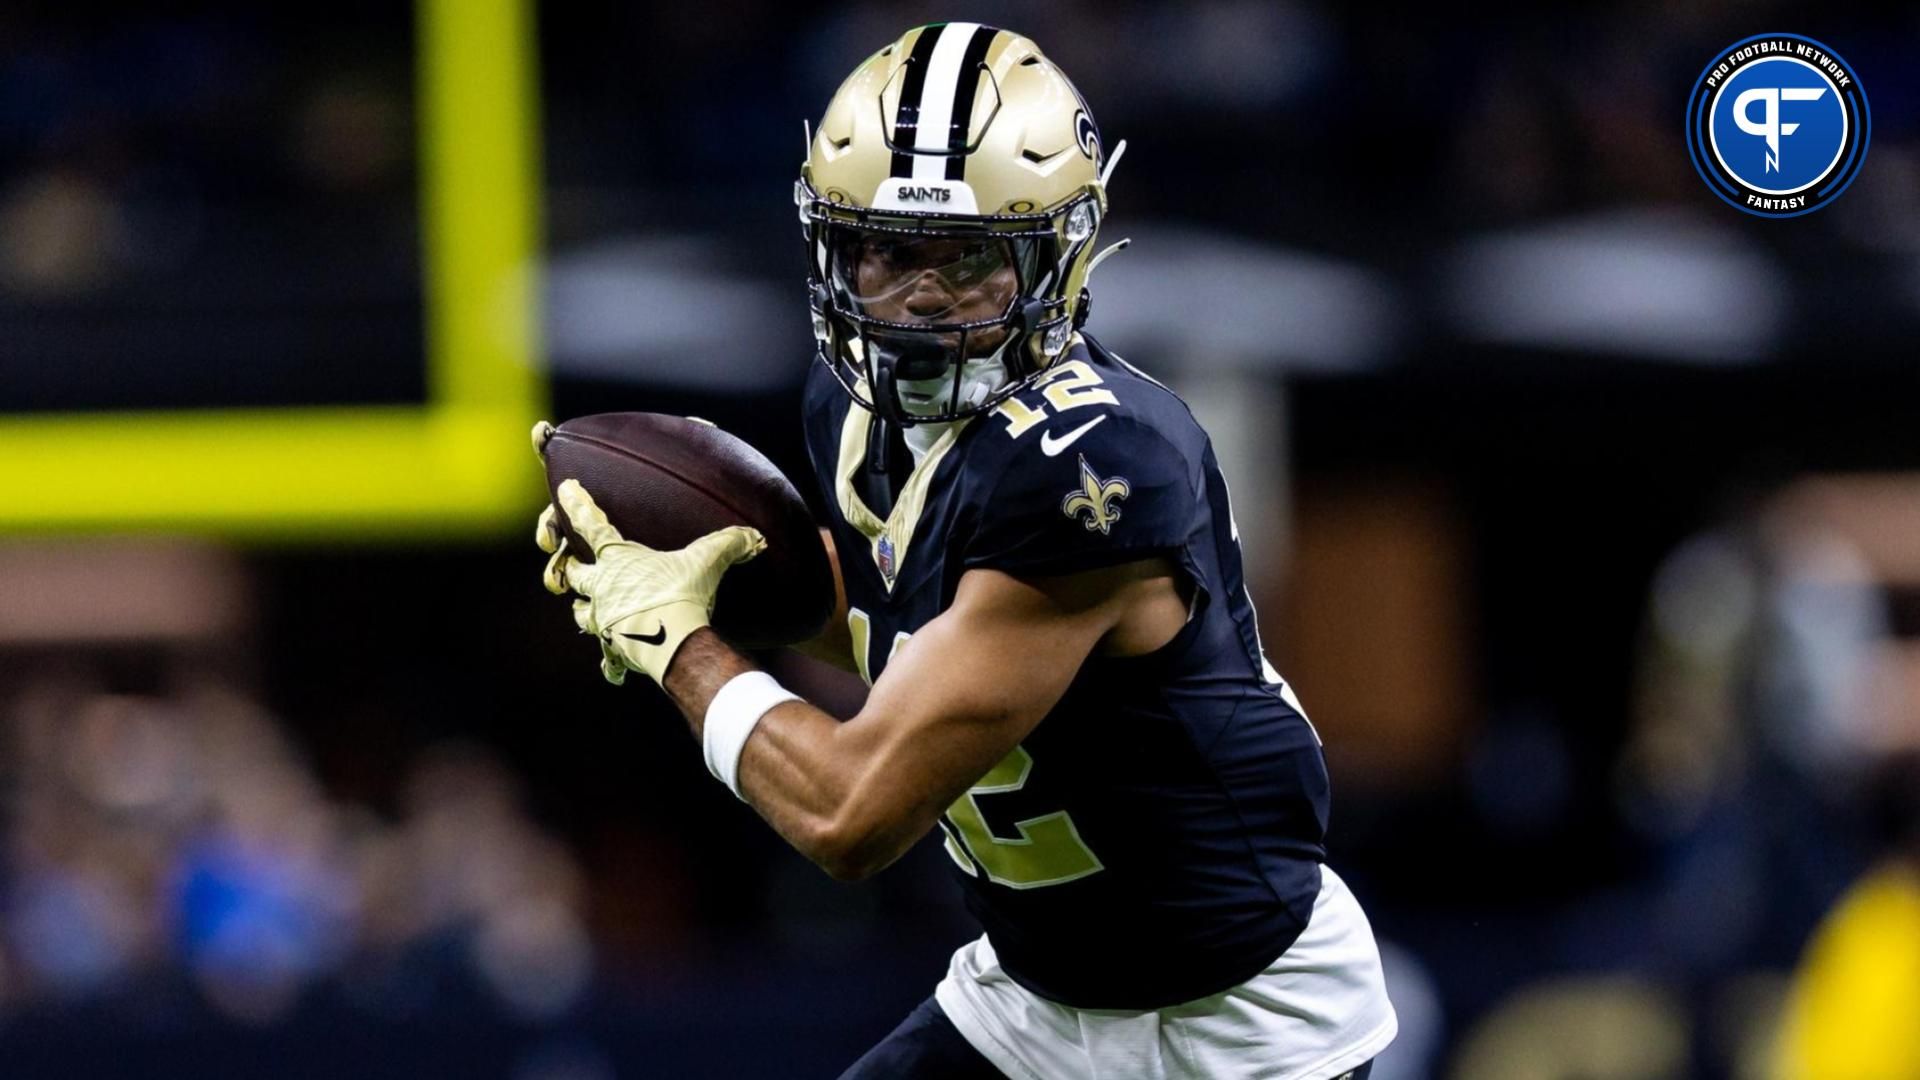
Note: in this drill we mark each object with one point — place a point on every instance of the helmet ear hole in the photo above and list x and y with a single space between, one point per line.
1082 309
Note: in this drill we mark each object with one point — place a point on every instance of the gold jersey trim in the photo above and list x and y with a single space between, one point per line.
893 535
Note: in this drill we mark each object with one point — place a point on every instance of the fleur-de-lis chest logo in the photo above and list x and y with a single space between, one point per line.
1096 498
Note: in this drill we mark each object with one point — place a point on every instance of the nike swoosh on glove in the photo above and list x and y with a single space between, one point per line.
640 603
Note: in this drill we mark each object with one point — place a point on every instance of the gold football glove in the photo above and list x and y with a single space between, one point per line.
640 603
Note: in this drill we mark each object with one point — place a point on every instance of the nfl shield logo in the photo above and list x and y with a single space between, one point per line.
883 555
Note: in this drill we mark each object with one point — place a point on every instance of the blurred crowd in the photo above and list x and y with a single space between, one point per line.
155 842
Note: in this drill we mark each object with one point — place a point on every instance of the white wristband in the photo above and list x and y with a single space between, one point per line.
731 717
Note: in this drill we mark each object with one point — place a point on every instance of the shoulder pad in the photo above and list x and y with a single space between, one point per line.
1083 480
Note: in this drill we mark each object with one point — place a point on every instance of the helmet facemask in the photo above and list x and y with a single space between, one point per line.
926 318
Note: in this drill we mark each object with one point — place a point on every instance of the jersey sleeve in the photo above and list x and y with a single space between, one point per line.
1110 491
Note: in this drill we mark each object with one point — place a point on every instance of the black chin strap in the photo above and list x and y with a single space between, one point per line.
889 463
877 491
883 363
1026 323
880 446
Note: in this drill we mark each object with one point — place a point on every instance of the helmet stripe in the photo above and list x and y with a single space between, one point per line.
906 118
960 133
936 103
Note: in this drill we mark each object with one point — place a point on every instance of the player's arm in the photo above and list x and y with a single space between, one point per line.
959 696
834 643
956 699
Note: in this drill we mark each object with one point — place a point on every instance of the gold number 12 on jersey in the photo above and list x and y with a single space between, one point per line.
1048 850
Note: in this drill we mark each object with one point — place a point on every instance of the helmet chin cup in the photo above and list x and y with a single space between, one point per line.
893 358
911 357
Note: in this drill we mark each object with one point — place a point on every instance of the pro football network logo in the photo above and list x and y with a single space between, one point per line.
1778 125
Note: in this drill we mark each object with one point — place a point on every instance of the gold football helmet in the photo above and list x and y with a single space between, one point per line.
950 199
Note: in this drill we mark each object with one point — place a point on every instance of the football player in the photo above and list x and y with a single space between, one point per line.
1040 579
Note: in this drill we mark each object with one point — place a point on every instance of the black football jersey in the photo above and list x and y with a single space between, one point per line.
1158 837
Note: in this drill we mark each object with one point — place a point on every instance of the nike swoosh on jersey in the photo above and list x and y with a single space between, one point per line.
654 638
1051 446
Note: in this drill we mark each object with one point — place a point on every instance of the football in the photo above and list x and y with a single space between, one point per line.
666 481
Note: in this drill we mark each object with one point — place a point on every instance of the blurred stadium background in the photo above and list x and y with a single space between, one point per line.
1589 525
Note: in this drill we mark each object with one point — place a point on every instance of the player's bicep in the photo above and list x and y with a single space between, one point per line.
962 692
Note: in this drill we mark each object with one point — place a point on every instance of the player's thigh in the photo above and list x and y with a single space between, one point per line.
926 1046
